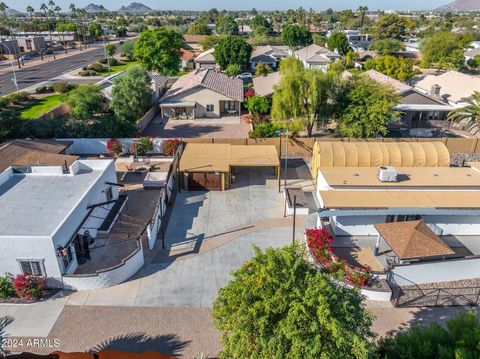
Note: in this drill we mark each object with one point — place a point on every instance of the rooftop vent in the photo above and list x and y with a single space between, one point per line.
435 91
387 174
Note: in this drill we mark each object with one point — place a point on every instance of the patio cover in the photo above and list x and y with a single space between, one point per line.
178 104
413 239
218 157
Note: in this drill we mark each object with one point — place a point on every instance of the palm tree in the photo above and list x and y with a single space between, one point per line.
362 10
44 8
4 321
74 12
3 10
57 9
31 12
471 111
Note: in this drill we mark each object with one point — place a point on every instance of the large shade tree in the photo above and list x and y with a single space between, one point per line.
296 36
338 41
226 25
278 306
85 101
365 108
232 50
389 26
159 50
132 94
304 94
443 50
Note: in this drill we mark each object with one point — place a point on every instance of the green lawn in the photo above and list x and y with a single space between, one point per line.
41 106
125 64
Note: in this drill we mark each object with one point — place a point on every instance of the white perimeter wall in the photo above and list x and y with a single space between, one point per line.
356 225
97 146
440 271
456 225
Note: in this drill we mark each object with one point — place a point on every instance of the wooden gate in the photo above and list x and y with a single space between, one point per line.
204 181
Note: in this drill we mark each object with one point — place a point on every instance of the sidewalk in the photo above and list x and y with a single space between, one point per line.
5 66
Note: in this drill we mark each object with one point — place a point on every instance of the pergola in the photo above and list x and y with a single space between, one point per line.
411 240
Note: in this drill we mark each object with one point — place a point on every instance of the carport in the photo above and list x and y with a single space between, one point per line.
207 166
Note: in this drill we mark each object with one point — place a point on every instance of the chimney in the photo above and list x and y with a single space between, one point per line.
435 91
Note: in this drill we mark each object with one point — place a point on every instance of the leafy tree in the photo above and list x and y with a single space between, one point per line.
389 26
442 50
127 48
95 29
399 68
296 36
338 41
304 94
262 69
319 40
387 46
131 94
233 69
365 107
259 21
85 101
110 48
199 28
257 105
232 50
350 59
278 306
159 50
459 339
471 111
226 25
475 62
210 42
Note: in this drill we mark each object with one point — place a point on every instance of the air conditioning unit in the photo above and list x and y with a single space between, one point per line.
387 174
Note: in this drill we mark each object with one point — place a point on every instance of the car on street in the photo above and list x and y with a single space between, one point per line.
245 76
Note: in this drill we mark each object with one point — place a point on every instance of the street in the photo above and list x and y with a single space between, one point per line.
29 76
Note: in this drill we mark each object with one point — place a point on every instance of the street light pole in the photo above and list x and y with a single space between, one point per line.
13 67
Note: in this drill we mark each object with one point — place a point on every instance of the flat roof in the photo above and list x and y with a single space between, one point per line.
37 204
408 177
218 157
363 199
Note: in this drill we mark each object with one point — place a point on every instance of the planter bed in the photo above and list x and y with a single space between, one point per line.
46 294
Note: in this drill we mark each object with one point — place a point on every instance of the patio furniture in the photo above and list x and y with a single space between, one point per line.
232 112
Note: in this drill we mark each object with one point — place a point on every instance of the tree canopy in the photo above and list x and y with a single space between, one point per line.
399 68
389 26
296 35
131 94
85 101
387 46
159 50
365 107
278 306
259 21
199 27
304 94
338 41
232 50
443 50
226 25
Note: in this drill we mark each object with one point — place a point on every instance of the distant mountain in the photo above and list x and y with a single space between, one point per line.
461 5
12 12
94 8
135 7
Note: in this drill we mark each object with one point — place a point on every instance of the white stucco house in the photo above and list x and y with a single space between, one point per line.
51 216
316 57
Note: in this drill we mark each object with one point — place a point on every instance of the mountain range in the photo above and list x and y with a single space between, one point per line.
461 5
91 8
135 7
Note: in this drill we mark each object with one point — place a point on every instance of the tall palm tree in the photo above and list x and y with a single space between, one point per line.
362 10
44 8
74 11
57 9
3 10
31 12
471 111
6 22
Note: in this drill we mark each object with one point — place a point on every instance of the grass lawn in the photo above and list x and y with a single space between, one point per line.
41 106
125 64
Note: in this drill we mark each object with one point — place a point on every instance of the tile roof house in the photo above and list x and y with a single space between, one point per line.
317 57
420 110
203 93
269 55
187 59
265 85
206 60
193 42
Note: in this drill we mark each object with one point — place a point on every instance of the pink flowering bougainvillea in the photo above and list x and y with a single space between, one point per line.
320 242
28 286
170 146
114 147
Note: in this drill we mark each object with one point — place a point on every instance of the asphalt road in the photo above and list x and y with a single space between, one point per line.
30 76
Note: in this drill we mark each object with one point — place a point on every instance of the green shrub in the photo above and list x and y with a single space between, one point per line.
263 130
112 62
61 87
96 67
102 61
41 89
5 101
6 287
19 97
87 73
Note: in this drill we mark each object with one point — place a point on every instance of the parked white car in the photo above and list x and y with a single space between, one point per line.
245 76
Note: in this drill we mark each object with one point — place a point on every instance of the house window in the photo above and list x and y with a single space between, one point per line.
32 267
109 193
67 258
210 108
229 105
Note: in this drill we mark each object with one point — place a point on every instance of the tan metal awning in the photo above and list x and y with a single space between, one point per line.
413 239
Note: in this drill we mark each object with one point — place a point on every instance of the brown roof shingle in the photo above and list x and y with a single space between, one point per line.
413 239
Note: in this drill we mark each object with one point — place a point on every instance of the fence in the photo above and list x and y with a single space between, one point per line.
147 118
98 146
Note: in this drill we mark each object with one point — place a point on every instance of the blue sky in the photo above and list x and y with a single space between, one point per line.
245 4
